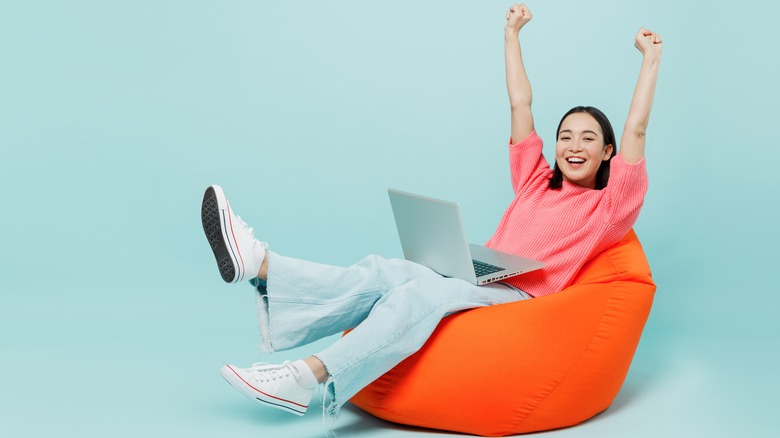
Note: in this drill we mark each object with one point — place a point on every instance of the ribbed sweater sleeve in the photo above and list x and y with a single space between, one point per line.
625 193
526 161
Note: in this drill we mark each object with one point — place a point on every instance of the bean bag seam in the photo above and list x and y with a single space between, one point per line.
607 303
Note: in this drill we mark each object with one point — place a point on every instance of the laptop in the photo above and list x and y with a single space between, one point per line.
432 234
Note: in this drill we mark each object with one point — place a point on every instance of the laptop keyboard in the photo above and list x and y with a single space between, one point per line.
482 268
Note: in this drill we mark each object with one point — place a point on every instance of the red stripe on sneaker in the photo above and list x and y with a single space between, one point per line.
230 217
265 393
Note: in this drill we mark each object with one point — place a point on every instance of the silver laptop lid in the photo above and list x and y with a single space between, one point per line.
432 234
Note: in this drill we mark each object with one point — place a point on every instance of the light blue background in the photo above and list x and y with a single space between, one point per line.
114 116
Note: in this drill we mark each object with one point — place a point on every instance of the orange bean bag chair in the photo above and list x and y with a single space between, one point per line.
541 364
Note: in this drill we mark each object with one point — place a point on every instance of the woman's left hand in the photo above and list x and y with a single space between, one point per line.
648 42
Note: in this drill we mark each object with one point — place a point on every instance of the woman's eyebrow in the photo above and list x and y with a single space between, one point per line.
584 132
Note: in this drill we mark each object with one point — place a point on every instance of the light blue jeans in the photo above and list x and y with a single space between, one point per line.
393 305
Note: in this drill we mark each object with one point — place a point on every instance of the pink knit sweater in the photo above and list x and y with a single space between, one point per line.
564 228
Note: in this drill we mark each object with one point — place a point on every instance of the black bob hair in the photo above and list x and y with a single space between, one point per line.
602 175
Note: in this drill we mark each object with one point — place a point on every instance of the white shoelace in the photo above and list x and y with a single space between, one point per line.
245 226
265 372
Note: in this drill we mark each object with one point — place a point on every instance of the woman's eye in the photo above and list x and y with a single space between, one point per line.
565 138
588 139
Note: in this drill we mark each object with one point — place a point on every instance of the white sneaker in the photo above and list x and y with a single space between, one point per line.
238 254
274 385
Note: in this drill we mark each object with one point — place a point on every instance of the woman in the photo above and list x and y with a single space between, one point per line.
562 216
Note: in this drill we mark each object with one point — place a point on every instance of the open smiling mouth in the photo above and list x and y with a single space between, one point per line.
575 160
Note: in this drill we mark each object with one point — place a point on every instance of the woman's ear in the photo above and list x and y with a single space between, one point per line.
607 152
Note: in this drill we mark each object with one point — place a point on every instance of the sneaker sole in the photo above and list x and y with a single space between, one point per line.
255 394
215 217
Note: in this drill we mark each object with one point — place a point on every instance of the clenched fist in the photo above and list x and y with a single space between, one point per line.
517 17
649 43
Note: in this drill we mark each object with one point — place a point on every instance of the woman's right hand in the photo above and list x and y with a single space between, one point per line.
517 17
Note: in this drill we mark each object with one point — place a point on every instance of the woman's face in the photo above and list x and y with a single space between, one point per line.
580 149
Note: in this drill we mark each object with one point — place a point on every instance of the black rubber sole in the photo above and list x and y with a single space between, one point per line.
213 222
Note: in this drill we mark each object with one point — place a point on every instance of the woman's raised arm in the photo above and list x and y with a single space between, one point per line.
517 84
632 144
